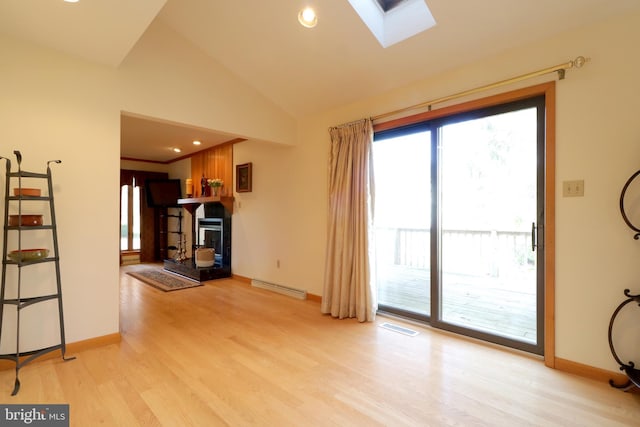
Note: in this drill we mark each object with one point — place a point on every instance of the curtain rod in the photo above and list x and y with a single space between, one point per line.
349 123
560 69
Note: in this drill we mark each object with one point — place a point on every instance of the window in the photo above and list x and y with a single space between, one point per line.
387 5
130 217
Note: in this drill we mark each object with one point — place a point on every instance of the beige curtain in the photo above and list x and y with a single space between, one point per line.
348 284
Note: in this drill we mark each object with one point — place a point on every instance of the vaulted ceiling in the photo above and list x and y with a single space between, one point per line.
303 70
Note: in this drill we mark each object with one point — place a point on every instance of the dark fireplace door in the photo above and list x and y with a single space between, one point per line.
210 235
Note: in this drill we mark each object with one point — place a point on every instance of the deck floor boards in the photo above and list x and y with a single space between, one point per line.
494 305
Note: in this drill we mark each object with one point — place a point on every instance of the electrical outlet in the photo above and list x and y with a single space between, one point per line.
573 188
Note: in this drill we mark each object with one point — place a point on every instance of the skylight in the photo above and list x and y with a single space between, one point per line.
387 5
392 21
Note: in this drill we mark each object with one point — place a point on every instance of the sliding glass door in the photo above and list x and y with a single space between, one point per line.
402 220
458 204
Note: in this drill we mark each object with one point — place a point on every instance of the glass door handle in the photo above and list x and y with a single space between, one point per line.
533 236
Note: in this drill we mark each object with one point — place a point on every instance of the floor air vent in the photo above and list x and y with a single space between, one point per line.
399 329
284 290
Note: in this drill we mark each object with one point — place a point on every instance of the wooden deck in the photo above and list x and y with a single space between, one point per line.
503 306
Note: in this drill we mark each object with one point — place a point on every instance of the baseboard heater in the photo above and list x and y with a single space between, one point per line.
284 290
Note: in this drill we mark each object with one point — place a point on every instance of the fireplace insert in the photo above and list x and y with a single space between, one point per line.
211 231
210 235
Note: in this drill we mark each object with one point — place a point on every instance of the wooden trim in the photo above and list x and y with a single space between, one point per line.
476 104
590 372
241 278
95 342
133 159
314 297
75 347
550 227
547 89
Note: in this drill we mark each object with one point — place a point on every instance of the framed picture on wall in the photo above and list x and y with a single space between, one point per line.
243 178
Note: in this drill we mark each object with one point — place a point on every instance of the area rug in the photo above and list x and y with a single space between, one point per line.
163 280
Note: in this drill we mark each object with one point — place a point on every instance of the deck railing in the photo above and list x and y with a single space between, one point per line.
473 252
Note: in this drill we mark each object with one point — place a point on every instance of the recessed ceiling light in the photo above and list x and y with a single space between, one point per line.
308 18
177 150
71 1
197 142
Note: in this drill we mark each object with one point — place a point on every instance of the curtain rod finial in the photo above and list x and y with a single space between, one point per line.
579 61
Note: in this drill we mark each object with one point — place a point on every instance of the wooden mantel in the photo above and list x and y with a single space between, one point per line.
193 203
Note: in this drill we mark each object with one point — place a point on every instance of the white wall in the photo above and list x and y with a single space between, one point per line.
166 77
143 166
598 140
55 106
273 223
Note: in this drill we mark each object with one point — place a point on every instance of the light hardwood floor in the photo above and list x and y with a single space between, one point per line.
229 354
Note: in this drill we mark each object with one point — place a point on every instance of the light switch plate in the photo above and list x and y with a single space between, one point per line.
573 188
